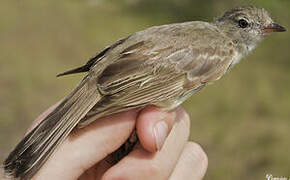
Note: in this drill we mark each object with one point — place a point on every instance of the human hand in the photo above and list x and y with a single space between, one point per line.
83 154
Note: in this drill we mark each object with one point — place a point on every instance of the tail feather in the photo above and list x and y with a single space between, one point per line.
32 152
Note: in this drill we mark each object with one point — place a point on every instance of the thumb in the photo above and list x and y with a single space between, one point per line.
153 126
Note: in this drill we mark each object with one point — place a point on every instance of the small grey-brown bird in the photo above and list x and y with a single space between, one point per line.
162 66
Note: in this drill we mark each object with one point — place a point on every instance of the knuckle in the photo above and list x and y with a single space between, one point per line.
195 154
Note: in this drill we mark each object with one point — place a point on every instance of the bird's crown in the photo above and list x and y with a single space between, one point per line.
251 14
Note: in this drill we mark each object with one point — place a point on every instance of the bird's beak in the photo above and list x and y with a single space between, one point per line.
273 28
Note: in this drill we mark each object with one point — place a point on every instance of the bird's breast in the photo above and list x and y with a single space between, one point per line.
237 56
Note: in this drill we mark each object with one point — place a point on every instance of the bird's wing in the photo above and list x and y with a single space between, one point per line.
130 83
151 69
196 49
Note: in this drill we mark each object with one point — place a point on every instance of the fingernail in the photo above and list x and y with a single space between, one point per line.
160 132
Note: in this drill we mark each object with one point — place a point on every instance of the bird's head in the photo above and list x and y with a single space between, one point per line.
247 25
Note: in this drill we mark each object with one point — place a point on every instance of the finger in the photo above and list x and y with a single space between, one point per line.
153 126
85 147
141 164
192 163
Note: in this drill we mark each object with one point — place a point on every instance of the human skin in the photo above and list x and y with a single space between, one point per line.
163 154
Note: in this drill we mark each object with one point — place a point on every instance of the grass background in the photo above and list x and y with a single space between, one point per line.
242 121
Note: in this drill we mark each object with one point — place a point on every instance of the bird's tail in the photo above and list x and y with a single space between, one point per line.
32 152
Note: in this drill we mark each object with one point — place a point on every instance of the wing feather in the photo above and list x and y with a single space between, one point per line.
159 66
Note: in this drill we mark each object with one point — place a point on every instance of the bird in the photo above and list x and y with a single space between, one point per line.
161 66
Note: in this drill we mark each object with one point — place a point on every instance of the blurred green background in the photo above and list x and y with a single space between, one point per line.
242 121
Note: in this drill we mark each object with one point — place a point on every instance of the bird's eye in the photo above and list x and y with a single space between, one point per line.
243 23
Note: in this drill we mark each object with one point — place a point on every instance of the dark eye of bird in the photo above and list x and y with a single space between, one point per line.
243 23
